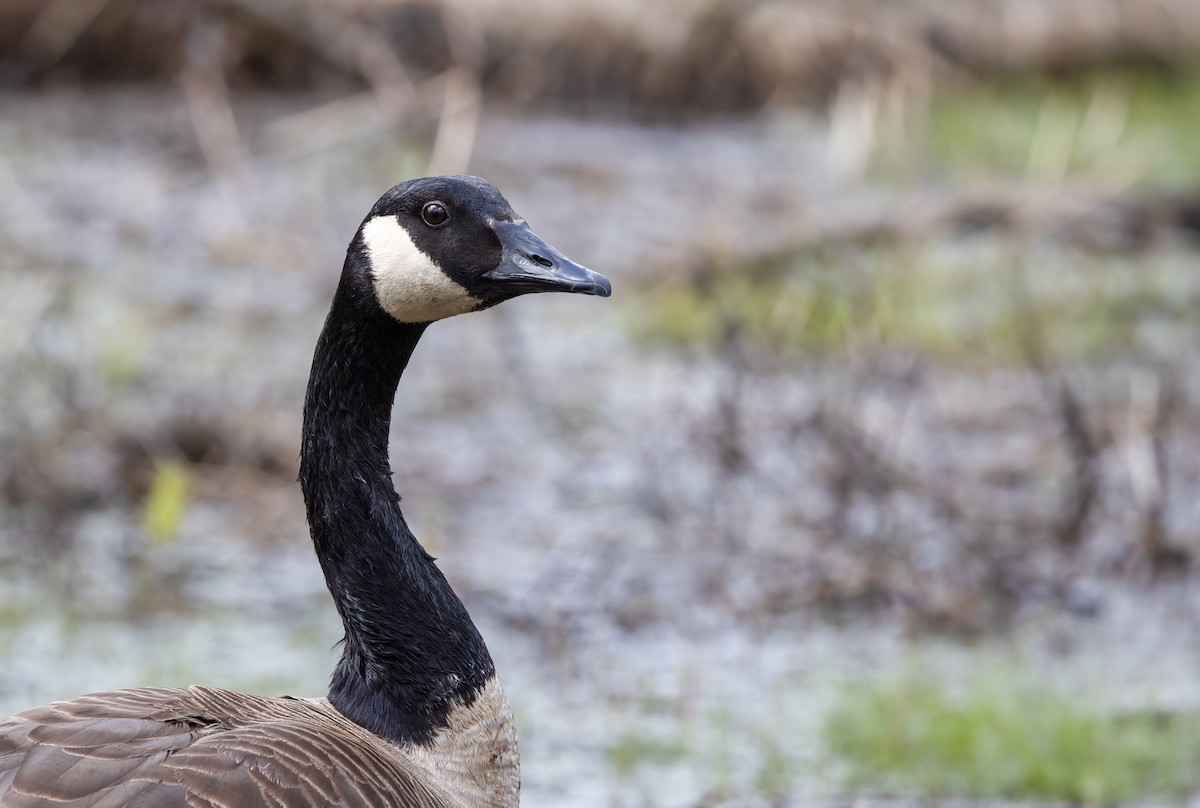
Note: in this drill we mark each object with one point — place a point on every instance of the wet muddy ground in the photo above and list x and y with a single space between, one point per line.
678 554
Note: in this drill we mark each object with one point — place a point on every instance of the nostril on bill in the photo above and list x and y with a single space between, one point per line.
546 262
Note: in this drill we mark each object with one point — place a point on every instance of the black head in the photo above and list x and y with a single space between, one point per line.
441 246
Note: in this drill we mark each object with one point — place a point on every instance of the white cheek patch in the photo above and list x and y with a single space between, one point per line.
409 285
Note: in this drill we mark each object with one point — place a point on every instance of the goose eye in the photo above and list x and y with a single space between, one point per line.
435 214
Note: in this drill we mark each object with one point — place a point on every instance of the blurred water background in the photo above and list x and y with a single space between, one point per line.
876 480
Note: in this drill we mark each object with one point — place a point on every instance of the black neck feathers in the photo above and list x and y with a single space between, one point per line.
411 651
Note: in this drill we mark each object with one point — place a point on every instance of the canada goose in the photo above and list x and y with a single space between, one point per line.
415 715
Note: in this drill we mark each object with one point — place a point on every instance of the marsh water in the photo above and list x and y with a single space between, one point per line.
644 529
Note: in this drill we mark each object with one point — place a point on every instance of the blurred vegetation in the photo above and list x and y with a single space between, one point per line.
166 501
1136 126
681 56
631 751
1003 737
975 303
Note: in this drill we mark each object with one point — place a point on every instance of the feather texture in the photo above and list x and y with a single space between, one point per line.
210 748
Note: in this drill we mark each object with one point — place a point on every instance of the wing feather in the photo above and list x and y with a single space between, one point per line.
200 748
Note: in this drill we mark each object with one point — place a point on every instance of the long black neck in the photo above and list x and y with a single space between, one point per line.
411 651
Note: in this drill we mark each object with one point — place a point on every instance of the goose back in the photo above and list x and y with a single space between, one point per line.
211 748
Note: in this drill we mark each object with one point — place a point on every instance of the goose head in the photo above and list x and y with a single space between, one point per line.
435 247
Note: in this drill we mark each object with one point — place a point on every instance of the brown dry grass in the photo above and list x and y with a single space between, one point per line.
678 55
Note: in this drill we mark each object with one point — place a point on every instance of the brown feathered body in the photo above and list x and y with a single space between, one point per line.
210 748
